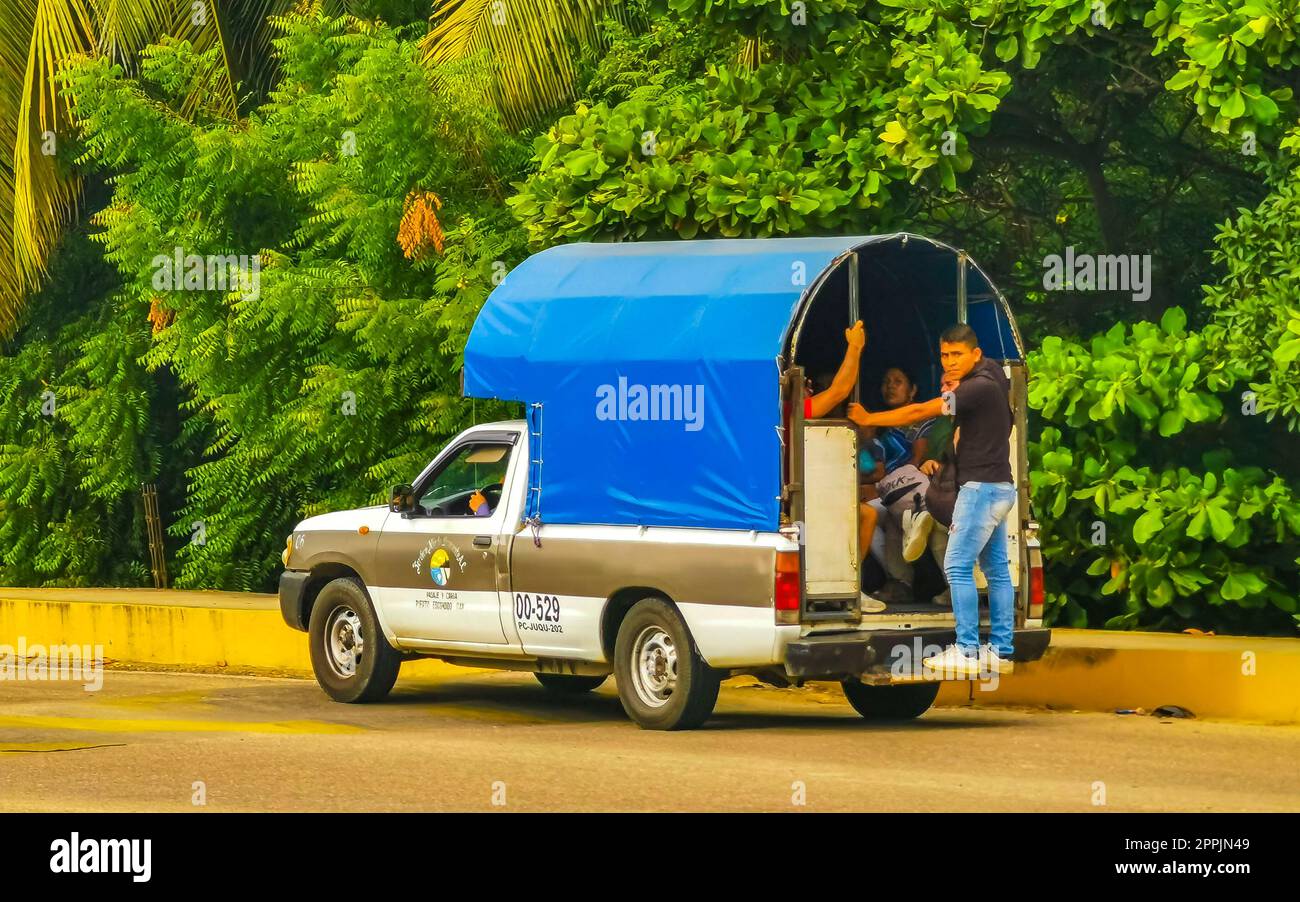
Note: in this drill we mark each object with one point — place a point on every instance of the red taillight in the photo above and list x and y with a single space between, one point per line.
786 590
1035 592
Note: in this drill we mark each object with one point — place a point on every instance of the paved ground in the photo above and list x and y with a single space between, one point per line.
146 739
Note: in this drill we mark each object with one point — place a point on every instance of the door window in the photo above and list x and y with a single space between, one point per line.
468 484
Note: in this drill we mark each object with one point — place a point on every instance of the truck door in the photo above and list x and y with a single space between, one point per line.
438 563
1020 516
830 477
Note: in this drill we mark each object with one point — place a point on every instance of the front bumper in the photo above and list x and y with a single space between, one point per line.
837 656
293 586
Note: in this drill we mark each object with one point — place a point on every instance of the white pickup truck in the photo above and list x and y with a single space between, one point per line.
575 544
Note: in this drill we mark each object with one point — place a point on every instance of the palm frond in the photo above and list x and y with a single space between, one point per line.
526 48
246 39
15 42
204 32
127 26
42 200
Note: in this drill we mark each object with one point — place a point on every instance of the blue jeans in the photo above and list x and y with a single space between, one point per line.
979 532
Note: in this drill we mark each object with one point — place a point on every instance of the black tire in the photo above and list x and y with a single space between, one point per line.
569 684
653 628
341 610
891 702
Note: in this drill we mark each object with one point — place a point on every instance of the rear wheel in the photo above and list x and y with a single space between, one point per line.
569 684
663 682
352 660
891 702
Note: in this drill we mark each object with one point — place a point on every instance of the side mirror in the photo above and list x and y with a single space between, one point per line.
402 499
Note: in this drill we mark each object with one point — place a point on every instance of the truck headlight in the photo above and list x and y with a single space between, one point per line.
288 550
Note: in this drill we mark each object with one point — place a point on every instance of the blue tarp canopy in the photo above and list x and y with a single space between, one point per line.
651 370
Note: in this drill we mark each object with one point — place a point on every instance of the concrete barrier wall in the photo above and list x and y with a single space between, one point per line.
1227 677
140 632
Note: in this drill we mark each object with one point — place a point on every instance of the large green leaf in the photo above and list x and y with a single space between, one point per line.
1148 525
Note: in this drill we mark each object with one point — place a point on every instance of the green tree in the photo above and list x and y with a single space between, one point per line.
337 375
39 185
76 433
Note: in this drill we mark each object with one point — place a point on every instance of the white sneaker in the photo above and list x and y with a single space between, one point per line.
869 605
952 662
993 662
916 534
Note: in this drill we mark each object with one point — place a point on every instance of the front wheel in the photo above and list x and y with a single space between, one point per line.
663 682
352 660
568 684
902 702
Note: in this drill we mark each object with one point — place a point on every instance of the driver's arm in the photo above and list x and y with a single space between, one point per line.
479 504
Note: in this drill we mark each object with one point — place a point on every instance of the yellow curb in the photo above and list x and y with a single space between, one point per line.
1228 677
242 631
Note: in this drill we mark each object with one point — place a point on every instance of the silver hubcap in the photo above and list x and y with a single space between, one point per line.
654 667
344 643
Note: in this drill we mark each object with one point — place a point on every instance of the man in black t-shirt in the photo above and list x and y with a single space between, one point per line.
976 393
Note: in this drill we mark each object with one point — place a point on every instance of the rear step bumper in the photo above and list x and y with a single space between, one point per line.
840 655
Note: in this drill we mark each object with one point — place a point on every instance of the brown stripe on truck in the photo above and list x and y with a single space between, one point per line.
687 572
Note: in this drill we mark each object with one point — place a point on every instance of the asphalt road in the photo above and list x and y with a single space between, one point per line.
498 742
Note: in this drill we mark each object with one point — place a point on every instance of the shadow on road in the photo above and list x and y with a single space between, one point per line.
933 721
736 710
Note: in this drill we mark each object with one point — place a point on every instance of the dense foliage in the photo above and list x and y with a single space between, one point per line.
1017 130
383 210
339 374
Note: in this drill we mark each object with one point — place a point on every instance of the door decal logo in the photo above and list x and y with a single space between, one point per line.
440 559
438 568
